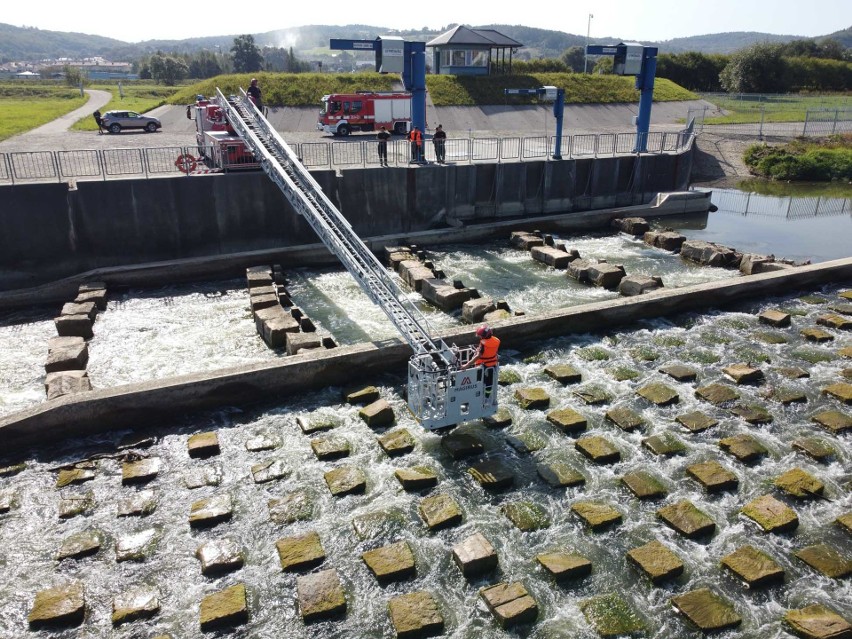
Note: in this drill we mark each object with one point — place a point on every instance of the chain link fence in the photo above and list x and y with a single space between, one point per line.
817 121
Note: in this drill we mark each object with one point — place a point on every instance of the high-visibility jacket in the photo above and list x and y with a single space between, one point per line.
415 136
488 356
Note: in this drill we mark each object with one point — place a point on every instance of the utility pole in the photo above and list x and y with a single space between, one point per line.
586 56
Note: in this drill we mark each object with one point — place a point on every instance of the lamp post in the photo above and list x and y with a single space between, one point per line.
586 50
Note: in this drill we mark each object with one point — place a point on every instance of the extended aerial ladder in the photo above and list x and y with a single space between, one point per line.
441 391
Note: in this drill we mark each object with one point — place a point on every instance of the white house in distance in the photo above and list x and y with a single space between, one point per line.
466 51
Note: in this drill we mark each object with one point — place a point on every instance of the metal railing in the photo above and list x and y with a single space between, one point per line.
817 122
104 164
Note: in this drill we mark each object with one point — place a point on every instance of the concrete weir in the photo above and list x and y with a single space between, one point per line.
149 402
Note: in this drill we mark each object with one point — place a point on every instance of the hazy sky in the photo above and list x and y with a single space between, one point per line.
641 20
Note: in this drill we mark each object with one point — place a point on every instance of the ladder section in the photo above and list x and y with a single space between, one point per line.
302 191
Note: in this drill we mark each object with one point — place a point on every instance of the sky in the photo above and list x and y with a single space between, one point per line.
639 20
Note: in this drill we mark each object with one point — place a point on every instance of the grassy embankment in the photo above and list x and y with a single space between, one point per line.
811 160
775 108
137 97
26 107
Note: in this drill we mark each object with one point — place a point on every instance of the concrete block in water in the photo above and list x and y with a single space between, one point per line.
770 514
707 610
413 273
139 471
475 555
390 563
532 398
67 383
297 342
270 470
510 603
327 448
826 560
474 310
579 270
140 602
462 445
635 226
559 474
611 616
64 605
98 297
525 240
443 295
84 308
258 276
527 516
834 421
666 240
840 391
552 256
743 373
567 420
644 485
664 444
225 608
320 596
397 442
713 476
709 254
74 325
818 622
606 275
659 394
799 483
415 615
440 511
377 414
625 418
753 566
292 507
596 515
744 447
139 504
492 475
416 478
599 449
66 353
687 519
656 561
203 444
776 318
211 511
361 395
564 566
81 544
273 324
301 552
563 373
752 264
346 480
631 285
261 301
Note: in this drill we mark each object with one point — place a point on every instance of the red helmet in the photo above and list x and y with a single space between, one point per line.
484 332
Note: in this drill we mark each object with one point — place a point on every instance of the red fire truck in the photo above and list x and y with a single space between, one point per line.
343 113
219 146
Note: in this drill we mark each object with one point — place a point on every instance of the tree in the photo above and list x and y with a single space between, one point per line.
574 58
759 68
603 65
246 55
205 64
167 69
73 76
692 70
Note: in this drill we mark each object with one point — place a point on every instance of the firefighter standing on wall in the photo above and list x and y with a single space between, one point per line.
416 139
383 136
486 355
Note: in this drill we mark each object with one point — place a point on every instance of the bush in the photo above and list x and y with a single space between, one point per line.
814 161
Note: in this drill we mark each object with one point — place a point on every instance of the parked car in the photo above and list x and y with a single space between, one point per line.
115 121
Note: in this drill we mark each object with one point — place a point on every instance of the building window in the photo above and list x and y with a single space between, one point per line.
478 58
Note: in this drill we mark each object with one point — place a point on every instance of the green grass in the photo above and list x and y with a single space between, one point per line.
137 97
25 108
812 160
784 108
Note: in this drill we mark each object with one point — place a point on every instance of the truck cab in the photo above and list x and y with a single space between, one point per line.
342 114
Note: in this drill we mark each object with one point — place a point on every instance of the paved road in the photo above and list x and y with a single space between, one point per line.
97 99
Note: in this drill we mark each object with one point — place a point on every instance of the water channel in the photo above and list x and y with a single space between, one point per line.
157 333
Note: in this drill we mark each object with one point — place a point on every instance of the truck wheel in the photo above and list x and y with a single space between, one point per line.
343 129
399 128
115 127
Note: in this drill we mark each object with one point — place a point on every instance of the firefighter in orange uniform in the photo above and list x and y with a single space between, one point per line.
416 139
486 355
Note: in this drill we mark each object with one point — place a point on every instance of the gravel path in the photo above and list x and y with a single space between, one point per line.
97 99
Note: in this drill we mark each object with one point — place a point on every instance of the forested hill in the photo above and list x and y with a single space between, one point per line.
26 43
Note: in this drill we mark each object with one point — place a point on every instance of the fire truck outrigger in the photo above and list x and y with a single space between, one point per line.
441 392
343 113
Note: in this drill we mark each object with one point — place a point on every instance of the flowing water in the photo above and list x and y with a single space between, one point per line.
153 334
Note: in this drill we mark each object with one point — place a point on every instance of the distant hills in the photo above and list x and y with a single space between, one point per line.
26 43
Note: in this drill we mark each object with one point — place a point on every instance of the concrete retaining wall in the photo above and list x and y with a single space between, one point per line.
52 231
158 400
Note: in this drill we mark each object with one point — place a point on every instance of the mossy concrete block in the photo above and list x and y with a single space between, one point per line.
7 499
644 485
560 474
832 320
707 610
826 560
415 615
500 419
793 372
696 421
840 391
526 515
770 514
75 504
208 475
833 421
565 566
440 511
69 476
140 471
219 556
315 423
320 596
753 414
390 563
665 444
462 445
680 373
567 420
717 394
135 546
774 317
203 445
271 470
328 448
626 419
14 469
817 622
788 396
211 511
597 516
508 376
753 566
817 335
743 373
526 441
397 442
224 609
137 603
492 475
656 561
846 351
563 373
81 544
816 448
361 395
417 477
346 480
599 449
475 555
532 398
295 506
301 552
799 483
745 448
62 606
611 616
510 603
659 394
713 476
378 414
593 394
845 522
385 524
687 519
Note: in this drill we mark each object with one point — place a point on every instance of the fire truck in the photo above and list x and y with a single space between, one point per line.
343 113
219 146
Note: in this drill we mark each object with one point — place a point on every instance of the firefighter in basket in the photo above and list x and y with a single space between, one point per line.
486 355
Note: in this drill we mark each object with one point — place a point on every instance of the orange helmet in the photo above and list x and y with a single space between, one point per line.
484 332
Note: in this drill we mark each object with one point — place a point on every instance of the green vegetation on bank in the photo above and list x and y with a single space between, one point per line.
25 108
812 160
306 89
137 97
744 109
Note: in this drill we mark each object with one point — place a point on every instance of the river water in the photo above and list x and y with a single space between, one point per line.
153 334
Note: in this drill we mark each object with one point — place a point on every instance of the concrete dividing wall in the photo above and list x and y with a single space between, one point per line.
158 400
52 231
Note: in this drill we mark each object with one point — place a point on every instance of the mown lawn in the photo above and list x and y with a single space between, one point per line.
137 97
26 107
773 108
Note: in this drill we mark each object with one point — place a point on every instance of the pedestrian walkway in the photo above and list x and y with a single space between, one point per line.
97 99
